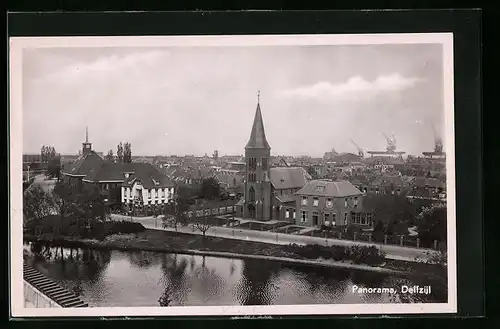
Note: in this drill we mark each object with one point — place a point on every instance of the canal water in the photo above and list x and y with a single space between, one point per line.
131 279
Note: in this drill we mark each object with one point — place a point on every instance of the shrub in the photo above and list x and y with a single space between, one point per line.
358 254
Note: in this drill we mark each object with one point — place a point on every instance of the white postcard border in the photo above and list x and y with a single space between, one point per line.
17 44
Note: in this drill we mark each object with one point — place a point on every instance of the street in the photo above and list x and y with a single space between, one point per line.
391 251
47 185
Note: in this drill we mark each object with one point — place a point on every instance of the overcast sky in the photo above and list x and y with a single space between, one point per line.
181 100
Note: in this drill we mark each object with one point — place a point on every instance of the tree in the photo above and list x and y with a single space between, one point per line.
311 171
37 204
210 188
390 208
204 221
47 153
110 157
127 153
54 167
119 153
175 213
431 224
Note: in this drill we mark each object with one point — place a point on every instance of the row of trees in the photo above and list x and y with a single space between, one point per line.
47 153
123 153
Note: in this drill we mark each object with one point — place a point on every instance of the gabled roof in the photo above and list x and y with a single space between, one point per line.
336 189
145 172
258 135
288 177
85 164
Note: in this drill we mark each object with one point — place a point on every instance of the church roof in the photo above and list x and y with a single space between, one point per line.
258 135
288 177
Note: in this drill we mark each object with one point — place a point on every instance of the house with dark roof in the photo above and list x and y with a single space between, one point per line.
326 202
285 182
140 187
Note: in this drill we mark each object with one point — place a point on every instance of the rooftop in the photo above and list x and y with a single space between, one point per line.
329 188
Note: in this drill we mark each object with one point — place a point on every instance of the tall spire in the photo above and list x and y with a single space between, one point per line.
86 134
258 135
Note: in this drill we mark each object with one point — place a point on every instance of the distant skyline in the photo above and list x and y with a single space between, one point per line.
194 100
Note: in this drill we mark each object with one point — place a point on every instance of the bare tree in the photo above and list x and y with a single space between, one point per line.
204 222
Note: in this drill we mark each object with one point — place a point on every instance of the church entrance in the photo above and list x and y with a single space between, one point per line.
251 210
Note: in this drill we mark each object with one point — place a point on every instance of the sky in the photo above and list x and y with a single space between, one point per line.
194 100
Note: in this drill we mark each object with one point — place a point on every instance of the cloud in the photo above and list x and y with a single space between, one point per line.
104 65
355 88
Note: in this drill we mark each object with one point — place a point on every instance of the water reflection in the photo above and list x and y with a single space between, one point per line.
115 278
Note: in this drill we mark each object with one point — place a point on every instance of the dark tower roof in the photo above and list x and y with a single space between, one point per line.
258 135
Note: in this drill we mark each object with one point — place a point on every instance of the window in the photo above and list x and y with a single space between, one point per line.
264 163
149 194
329 203
353 217
251 194
252 163
345 202
287 214
293 214
156 193
304 201
345 218
355 201
363 219
304 216
251 177
358 218
333 219
315 201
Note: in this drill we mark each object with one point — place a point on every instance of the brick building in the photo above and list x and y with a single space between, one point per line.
336 203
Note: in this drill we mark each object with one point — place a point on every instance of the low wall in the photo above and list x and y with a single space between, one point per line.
33 298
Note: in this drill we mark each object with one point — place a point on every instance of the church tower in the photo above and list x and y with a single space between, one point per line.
87 147
257 183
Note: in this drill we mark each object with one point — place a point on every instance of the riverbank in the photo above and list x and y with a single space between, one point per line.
175 242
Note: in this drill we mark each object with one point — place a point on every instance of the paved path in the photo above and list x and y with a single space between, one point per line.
47 185
391 251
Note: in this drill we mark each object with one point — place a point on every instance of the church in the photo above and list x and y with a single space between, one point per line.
268 191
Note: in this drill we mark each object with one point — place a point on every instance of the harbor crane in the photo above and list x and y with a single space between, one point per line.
361 153
391 143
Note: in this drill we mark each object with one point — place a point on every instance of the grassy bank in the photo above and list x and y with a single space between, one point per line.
167 241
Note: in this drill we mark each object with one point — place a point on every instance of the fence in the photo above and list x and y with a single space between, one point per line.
227 210
397 240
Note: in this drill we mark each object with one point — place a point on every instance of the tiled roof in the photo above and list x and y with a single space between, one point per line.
85 165
329 188
145 172
288 177
258 135
285 198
